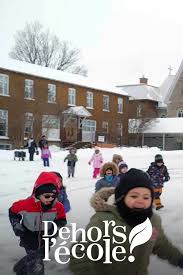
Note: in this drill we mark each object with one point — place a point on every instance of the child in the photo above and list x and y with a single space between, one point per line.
123 169
109 172
26 218
97 162
45 155
71 161
133 205
117 159
62 196
159 174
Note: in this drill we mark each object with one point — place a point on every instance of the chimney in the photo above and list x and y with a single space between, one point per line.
143 80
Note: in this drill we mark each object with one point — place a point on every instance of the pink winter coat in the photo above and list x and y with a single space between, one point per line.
45 153
97 160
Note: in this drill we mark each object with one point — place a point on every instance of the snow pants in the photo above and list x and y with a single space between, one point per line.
31 264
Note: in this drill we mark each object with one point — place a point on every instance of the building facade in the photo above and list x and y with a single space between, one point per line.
33 101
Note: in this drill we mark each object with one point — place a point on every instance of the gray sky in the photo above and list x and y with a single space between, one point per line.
119 39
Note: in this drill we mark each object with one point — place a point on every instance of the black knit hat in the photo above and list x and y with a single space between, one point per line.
158 158
45 188
132 179
122 165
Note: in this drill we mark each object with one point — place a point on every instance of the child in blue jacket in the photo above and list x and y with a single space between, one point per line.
62 196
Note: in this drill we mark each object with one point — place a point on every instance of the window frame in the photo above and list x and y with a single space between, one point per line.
52 93
5 84
72 96
89 99
29 88
120 105
6 122
107 103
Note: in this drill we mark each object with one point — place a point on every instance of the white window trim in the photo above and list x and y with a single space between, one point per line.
90 94
55 91
73 95
105 110
7 77
6 130
120 112
32 81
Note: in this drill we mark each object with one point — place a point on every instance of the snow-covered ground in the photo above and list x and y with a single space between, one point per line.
17 179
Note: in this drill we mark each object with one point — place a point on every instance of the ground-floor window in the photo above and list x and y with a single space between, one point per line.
51 126
3 123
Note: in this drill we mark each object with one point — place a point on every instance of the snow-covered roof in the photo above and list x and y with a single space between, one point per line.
78 111
166 125
176 78
142 92
166 86
52 74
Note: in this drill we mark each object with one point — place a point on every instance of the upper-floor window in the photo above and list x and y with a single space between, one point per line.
28 125
51 93
4 84
120 105
120 129
28 91
105 103
3 123
180 113
72 96
105 126
139 110
89 99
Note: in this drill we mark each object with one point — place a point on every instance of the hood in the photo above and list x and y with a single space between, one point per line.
46 178
108 165
100 200
115 157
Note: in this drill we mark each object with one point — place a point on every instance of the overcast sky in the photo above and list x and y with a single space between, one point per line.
120 40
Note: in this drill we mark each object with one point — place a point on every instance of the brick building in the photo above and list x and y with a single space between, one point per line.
35 100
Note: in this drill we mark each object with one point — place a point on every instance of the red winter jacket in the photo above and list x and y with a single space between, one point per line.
29 212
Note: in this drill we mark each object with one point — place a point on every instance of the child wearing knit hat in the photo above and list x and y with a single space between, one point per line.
158 173
133 206
27 216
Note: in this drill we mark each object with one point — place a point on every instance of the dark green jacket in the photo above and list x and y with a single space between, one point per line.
158 245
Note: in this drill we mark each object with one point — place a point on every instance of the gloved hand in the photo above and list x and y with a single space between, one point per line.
180 262
19 230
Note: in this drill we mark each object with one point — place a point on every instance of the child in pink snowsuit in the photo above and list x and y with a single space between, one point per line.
97 162
45 155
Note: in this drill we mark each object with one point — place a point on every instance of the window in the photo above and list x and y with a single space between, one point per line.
105 103
139 110
180 113
4 123
105 126
51 126
51 93
120 105
89 125
120 129
89 99
72 96
28 125
4 84
28 90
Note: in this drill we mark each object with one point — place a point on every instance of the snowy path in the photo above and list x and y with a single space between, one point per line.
17 178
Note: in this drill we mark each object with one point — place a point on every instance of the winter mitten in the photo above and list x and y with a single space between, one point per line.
19 230
180 262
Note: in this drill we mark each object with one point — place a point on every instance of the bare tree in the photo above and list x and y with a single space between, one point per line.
138 126
36 46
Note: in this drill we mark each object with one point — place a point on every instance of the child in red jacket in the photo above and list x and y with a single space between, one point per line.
27 216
